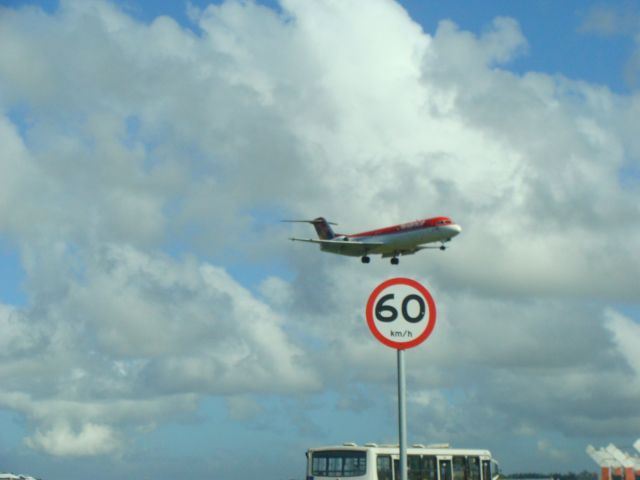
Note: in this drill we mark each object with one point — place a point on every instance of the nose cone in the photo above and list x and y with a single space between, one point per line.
454 229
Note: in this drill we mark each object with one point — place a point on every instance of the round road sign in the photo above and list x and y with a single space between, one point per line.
401 313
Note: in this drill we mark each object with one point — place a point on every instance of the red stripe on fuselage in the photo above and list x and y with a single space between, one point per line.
405 227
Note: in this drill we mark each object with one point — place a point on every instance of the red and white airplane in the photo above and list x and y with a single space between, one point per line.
402 239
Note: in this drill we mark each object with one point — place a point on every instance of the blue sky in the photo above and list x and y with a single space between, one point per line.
154 319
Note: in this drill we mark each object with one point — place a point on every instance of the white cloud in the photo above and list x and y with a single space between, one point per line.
626 335
131 326
513 365
61 440
16 336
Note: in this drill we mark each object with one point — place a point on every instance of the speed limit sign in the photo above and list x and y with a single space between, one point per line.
401 313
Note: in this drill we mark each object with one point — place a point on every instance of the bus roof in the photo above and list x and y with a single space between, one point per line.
437 449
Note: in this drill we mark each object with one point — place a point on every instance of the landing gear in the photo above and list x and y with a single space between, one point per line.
365 259
395 261
443 248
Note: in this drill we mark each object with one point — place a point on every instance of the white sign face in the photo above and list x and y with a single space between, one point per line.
401 313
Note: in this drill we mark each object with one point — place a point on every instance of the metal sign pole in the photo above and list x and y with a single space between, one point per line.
417 320
402 415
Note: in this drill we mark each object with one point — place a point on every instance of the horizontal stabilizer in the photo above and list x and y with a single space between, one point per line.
306 221
323 228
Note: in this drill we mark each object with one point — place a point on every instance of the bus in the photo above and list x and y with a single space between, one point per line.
381 462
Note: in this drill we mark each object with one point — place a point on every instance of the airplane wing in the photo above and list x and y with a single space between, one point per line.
343 247
409 251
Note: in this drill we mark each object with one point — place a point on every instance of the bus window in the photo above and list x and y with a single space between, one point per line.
338 463
429 471
473 466
445 469
335 465
422 467
486 470
414 469
459 464
383 467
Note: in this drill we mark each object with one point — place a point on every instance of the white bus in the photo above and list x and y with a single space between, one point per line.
381 462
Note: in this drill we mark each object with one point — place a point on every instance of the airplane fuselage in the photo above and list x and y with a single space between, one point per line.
402 239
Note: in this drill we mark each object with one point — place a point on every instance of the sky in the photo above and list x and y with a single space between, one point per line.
155 321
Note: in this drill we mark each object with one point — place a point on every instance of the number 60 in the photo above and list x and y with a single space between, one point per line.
388 313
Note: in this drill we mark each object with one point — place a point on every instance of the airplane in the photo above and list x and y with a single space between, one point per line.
402 239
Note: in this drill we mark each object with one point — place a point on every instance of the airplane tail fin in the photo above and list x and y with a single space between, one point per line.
323 228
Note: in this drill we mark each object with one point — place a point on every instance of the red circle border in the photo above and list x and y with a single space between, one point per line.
427 296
